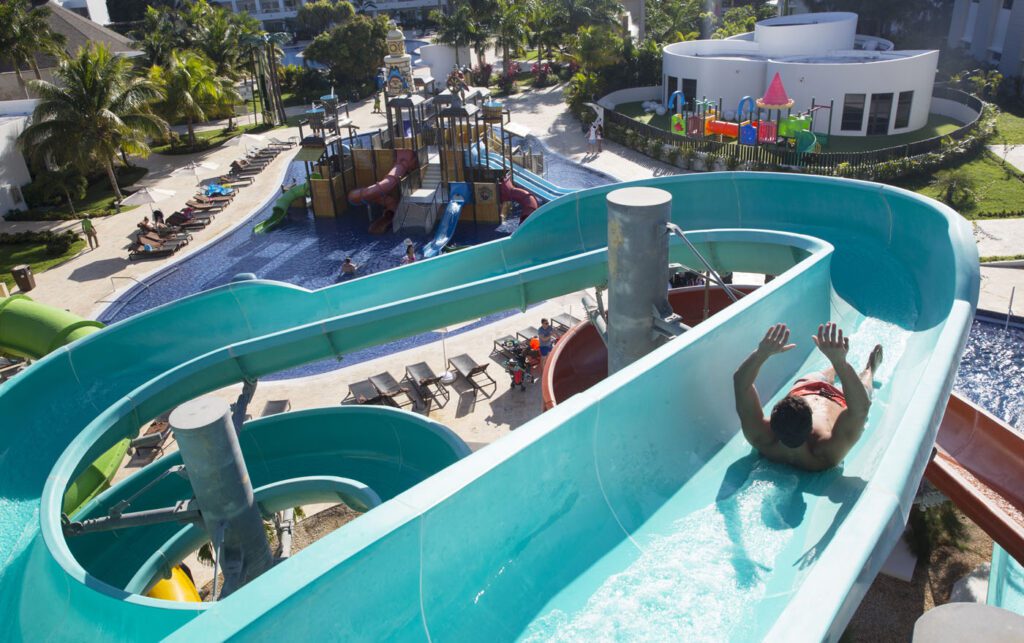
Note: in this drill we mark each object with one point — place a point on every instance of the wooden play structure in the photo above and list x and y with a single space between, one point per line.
399 177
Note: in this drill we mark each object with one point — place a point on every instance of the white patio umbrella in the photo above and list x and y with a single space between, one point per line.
249 139
448 377
194 167
147 196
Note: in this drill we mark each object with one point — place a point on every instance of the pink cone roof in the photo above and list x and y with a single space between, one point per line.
776 96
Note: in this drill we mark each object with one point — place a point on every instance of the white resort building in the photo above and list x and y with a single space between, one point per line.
876 90
992 31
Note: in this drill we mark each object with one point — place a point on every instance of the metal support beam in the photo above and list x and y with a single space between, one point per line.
209 448
637 272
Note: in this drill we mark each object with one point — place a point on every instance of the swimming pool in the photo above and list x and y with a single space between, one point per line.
308 252
991 372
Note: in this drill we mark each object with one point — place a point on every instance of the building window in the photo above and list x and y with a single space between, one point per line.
690 93
248 6
906 101
853 113
1007 4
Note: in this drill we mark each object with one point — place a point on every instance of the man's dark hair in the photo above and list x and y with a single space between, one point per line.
791 421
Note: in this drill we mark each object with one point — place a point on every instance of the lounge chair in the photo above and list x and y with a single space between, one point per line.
276 142
151 444
273 407
527 333
181 220
233 180
362 392
564 321
428 384
390 390
212 200
205 207
138 251
243 166
155 241
472 372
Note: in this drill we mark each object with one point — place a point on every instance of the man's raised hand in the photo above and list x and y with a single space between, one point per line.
831 342
775 341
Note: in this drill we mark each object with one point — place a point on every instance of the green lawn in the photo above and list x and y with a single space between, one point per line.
1000 188
33 254
98 201
209 139
1010 126
937 126
636 112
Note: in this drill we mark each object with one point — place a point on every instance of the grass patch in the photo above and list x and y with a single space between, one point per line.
98 201
1000 188
208 139
1010 125
937 126
637 113
33 254
991 258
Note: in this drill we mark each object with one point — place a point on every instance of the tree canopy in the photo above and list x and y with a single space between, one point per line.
353 51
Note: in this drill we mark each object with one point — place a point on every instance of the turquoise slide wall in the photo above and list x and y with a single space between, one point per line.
529 537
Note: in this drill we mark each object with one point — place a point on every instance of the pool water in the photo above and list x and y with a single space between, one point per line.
291 54
991 372
308 251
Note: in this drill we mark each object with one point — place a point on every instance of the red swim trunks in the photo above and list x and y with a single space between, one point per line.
822 389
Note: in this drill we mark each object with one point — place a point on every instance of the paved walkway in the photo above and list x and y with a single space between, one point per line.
83 283
1014 154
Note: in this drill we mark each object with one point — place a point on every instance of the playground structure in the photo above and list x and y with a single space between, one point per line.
659 435
754 124
404 176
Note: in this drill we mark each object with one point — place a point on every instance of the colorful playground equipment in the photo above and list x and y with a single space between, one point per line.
610 486
750 126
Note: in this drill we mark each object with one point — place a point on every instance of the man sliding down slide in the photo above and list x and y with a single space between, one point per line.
816 424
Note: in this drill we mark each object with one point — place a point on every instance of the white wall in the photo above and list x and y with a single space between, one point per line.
13 171
630 95
806 33
951 109
825 82
441 59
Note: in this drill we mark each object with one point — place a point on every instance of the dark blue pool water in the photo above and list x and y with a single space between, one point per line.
308 252
991 373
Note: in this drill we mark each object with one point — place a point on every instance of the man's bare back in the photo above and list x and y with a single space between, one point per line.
816 424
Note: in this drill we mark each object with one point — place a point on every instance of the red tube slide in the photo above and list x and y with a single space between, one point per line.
381 191
979 464
527 202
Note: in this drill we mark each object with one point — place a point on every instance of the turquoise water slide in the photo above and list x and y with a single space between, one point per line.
524 178
633 505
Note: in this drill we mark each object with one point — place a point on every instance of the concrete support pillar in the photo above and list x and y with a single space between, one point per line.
220 481
637 271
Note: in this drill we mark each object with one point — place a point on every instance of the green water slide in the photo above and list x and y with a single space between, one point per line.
31 330
300 191
638 494
806 141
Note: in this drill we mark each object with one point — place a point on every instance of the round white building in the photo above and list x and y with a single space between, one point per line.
819 56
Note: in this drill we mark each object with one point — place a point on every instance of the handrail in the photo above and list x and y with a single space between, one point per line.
113 287
712 273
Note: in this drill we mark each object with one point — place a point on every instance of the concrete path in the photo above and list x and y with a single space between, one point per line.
1014 154
999 237
89 279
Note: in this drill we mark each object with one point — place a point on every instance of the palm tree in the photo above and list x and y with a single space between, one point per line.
457 29
264 51
510 29
190 88
96 106
574 14
26 33
219 38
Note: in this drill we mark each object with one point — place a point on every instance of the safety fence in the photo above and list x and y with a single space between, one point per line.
648 139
